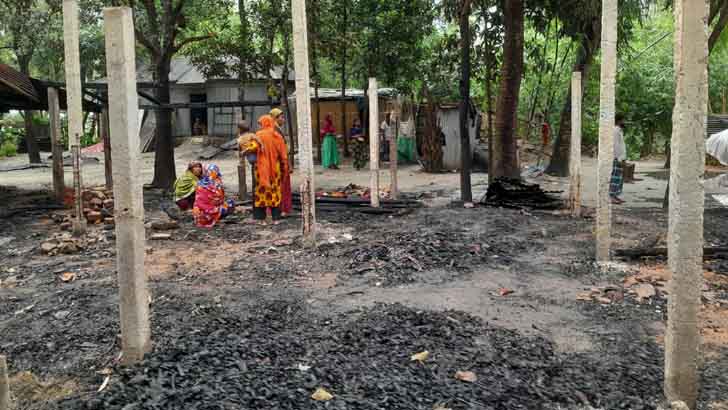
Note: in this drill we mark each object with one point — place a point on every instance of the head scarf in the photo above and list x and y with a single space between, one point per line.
272 152
212 177
276 112
328 125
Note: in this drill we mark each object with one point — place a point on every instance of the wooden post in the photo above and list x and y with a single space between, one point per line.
687 196
374 141
575 161
74 104
129 204
393 156
54 113
303 113
4 385
106 138
242 180
606 128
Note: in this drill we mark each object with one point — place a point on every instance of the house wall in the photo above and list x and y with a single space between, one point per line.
449 120
181 94
334 107
220 121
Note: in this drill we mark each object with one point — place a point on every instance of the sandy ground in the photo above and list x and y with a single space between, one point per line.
647 192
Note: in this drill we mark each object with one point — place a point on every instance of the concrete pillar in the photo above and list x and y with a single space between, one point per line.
606 128
575 160
374 141
128 202
106 138
687 193
74 99
4 385
54 114
303 115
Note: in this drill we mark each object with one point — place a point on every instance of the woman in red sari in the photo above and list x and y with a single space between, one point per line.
210 202
286 192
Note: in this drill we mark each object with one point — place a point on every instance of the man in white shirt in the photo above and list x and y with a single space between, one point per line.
620 155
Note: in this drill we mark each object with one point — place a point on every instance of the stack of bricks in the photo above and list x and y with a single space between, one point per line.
98 206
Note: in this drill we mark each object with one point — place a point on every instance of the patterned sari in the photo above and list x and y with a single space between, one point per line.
271 166
210 202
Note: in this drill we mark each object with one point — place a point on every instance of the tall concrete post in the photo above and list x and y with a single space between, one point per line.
106 138
575 160
128 202
606 128
303 115
374 141
4 385
54 114
687 193
74 99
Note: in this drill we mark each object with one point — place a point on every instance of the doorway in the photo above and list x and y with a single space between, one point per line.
198 116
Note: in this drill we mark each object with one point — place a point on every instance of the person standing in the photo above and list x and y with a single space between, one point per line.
248 144
359 146
330 149
616 183
271 165
286 191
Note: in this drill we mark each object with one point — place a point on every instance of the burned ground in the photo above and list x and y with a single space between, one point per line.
240 312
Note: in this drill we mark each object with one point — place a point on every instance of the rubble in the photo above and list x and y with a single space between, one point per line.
62 244
513 193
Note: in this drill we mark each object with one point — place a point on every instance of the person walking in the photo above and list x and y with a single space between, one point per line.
616 183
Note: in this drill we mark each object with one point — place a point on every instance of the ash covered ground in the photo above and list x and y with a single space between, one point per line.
245 317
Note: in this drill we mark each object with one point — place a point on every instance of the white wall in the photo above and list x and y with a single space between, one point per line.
449 120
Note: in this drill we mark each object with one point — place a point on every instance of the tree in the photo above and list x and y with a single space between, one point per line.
24 24
466 156
582 23
505 151
164 29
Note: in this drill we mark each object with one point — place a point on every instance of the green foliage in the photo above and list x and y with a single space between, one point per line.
8 149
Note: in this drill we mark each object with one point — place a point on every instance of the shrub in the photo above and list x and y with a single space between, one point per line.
8 149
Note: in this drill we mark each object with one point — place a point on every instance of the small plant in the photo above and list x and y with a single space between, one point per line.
8 149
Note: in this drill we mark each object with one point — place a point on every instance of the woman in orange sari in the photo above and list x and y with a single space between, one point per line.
286 192
272 165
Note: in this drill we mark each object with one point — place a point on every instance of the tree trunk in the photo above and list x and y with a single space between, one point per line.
31 145
466 156
317 111
344 28
489 98
505 158
432 144
646 148
164 169
284 103
559 165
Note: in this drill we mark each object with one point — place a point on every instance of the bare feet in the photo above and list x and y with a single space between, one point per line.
617 201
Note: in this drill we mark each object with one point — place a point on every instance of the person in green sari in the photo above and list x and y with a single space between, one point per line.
185 186
330 149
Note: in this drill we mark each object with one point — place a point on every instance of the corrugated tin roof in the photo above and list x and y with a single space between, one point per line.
351 93
18 83
183 72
